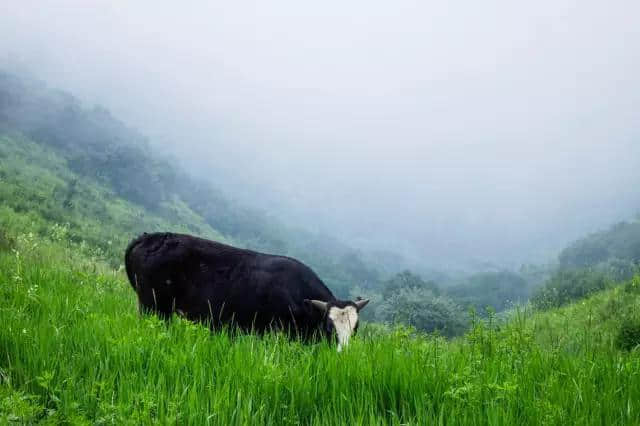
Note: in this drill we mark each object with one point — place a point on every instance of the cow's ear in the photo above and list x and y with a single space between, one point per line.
361 303
319 304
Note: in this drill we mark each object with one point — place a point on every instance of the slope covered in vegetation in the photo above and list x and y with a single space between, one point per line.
75 350
76 185
101 183
592 264
619 245
39 190
66 163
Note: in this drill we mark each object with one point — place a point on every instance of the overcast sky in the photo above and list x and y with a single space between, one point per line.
453 131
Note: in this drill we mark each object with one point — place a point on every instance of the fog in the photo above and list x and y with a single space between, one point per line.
451 132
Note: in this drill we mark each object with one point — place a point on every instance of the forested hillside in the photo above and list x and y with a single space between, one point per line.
459 176
616 248
83 167
592 264
100 183
547 344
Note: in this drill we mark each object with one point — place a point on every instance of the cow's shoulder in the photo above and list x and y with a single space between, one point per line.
285 272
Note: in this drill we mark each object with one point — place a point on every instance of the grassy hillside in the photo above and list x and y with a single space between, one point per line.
93 168
39 189
102 183
620 244
73 349
76 185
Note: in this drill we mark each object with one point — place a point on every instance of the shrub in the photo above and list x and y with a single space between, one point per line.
566 286
6 242
629 334
621 241
619 270
407 279
633 285
423 310
498 290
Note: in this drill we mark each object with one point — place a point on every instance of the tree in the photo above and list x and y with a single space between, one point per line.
566 286
407 279
498 290
422 309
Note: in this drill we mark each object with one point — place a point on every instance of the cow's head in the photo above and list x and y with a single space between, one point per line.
340 318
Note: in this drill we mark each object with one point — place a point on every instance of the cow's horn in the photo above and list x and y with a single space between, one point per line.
319 304
361 303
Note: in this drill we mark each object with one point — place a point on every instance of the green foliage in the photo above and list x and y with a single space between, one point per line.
39 194
566 286
6 243
621 241
584 253
591 264
75 351
86 171
408 299
105 173
407 280
498 290
633 285
422 309
629 335
618 270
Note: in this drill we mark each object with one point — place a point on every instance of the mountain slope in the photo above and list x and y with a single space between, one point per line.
75 350
38 189
136 190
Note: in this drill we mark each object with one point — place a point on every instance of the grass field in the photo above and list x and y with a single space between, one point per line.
73 350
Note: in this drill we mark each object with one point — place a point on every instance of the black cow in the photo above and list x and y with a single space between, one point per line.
215 283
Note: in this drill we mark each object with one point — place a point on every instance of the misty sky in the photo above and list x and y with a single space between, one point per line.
451 131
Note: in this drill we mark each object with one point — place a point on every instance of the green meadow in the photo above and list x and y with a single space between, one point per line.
75 187
74 350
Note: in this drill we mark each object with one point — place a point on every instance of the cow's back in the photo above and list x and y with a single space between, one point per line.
168 270
211 281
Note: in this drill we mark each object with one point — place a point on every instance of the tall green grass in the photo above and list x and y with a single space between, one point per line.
73 349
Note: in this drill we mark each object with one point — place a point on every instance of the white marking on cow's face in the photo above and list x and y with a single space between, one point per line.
344 321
